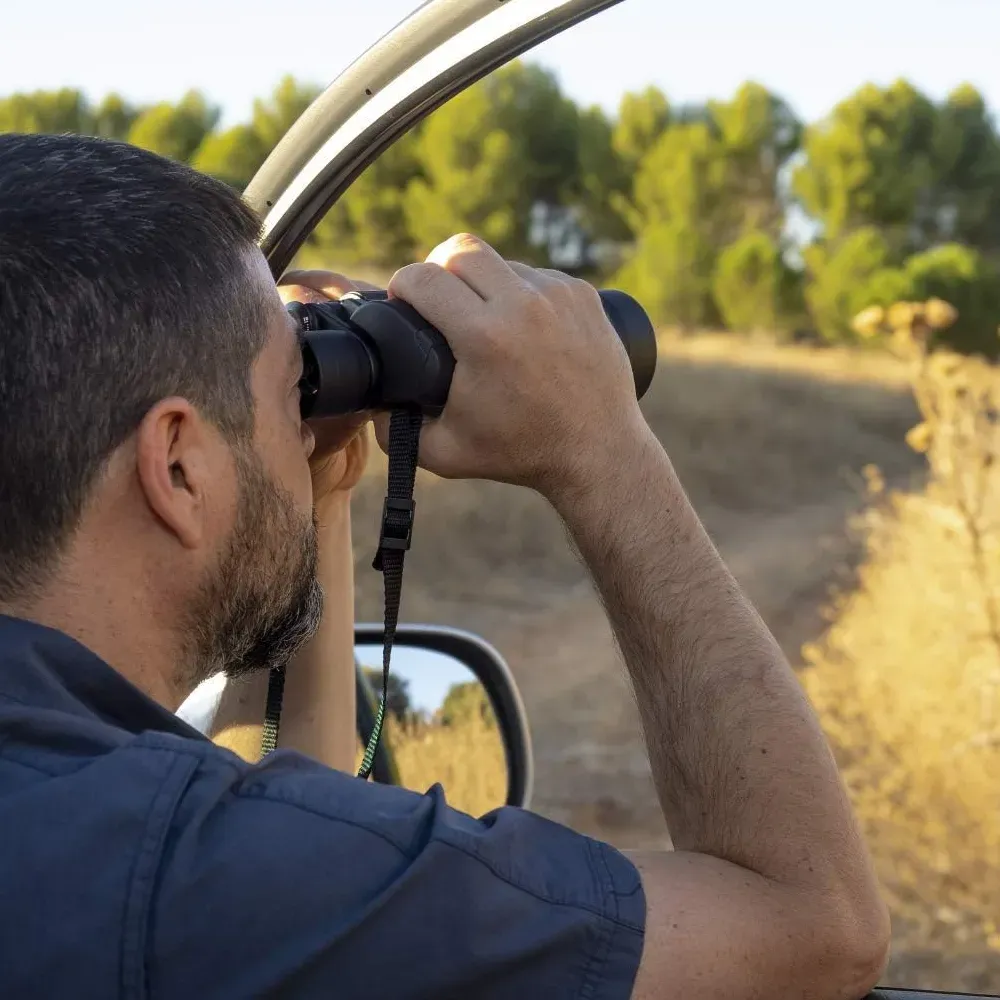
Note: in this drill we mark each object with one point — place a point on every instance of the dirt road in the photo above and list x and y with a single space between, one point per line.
771 456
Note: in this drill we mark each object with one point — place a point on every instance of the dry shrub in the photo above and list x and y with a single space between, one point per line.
466 758
906 681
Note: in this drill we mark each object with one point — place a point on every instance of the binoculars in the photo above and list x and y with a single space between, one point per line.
366 351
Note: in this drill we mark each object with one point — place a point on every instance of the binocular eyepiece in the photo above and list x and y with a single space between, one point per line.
366 351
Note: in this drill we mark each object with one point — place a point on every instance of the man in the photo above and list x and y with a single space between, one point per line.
159 527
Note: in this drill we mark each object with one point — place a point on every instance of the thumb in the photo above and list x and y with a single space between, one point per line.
440 453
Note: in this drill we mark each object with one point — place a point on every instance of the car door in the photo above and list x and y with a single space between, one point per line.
442 49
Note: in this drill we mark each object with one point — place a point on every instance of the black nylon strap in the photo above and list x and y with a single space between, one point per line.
272 710
394 541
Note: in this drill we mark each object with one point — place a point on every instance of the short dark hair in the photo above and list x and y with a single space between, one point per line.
124 279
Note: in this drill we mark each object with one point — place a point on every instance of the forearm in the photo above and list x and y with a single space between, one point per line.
318 713
740 763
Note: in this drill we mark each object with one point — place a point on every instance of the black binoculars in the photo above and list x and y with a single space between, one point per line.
366 351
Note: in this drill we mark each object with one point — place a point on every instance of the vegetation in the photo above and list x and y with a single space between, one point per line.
732 213
460 748
907 679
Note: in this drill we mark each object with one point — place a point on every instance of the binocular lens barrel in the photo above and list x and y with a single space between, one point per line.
369 352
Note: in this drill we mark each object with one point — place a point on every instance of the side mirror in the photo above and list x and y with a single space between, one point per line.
454 716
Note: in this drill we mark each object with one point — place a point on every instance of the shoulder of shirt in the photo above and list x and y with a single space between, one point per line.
285 778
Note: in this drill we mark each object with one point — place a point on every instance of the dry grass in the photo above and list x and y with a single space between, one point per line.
840 365
466 758
906 683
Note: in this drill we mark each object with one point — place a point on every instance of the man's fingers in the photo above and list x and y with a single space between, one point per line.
477 264
329 283
539 276
300 293
442 298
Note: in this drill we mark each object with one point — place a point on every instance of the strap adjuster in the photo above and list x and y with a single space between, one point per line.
396 534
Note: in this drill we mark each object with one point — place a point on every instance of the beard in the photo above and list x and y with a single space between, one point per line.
263 601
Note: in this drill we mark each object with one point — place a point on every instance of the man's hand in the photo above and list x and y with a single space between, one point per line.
341 453
540 373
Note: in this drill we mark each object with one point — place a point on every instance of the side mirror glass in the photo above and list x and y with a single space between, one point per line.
454 717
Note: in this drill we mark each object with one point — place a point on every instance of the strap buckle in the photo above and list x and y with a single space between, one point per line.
396 534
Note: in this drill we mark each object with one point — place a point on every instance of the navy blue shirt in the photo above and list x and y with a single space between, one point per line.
139 860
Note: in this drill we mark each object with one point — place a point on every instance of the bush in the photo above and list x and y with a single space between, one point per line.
670 273
849 277
907 683
747 283
467 758
959 275
754 289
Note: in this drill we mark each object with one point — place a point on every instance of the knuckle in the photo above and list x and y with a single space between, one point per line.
454 252
534 305
466 241
413 279
585 292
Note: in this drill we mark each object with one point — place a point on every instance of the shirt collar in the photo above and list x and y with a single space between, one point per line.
40 666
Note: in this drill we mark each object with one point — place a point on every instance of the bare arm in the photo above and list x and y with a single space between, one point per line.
318 715
770 891
770 887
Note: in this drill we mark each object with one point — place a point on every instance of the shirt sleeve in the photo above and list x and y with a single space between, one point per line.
287 879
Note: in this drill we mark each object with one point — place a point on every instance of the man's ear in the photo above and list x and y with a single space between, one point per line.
175 455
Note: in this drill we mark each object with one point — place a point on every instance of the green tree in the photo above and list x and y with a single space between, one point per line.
51 111
748 284
712 177
174 130
964 205
677 205
682 178
466 702
113 117
369 223
670 273
275 115
870 163
759 134
960 275
490 156
642 119
233 155
604 179
849 276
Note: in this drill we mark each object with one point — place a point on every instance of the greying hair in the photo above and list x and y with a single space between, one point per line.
124 279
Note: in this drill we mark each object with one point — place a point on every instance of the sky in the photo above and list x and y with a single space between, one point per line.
430 675
812 54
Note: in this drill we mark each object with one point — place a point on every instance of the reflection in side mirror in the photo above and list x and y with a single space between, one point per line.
454 717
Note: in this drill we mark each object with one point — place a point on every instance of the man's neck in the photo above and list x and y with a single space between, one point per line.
121 631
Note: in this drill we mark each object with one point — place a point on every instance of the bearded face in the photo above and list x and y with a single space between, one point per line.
263 602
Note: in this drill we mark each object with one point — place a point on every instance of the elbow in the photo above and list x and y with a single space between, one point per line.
869 951
855 948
